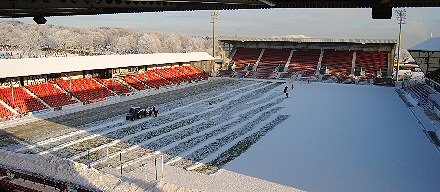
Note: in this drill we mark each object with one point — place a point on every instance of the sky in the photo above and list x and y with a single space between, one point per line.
317 23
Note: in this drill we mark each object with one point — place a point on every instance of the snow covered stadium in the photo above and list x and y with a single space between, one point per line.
234 130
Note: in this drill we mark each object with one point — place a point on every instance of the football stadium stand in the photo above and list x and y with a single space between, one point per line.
86 89
191 75
114 85
193 71
21 100
179 74
135 82
58 79
337 62
427 54
166 75
371 62
9 186
35 183
4 112
308 57
243 57
304 62
420 91
271 60
156 80
435 75
50 94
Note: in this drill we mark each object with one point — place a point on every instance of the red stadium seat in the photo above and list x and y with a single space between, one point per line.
168 76
52 95
23 101
270 60
135 82
179 74
156 79
304 62
244 56
188 72
86 89
4 112
114 86
338 62
371 62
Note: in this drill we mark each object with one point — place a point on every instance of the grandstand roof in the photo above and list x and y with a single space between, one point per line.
308 40
27 8
39 66
432 44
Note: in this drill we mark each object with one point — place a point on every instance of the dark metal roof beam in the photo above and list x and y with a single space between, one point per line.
31 8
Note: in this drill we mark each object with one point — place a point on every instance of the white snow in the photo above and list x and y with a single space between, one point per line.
79 174
345 138
332 137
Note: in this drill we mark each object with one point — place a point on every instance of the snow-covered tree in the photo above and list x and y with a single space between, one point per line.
149 43
33 39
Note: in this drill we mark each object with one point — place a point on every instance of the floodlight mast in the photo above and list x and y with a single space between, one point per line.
401 18
214 16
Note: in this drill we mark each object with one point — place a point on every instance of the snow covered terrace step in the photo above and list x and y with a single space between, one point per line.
68 173
37 179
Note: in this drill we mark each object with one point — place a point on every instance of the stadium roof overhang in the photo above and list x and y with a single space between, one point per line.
381 9
432 45
427 54
40 66
307 40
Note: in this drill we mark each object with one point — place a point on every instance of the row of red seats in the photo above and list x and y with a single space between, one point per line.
275 57
156 79
371 61
304 62
147 79
150 78
193 70
190 73
176 72
244 56
265 72
86 89
135 81
270 60
23 101
165 74
338 62
114 85
4 112
50 94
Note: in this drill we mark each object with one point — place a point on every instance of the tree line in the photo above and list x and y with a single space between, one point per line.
36 40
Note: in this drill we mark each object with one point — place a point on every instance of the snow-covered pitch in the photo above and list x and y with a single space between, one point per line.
241 135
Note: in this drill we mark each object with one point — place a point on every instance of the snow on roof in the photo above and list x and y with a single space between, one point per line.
39 66
308 40
432 44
